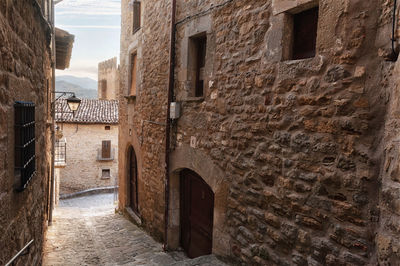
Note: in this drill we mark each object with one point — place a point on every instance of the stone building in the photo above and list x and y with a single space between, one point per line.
108 84
87 146
285 147
26 81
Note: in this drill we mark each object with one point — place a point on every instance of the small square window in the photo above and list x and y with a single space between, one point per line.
305 25
105 173
107 128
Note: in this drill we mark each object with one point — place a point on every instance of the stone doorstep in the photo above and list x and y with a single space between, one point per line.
92 191
133 216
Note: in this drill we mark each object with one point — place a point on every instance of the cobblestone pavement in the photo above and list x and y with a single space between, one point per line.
87 231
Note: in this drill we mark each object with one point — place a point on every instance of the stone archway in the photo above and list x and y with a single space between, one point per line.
185 157
124 184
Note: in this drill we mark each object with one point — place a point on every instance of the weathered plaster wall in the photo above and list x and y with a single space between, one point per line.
24 75
108 71
83 170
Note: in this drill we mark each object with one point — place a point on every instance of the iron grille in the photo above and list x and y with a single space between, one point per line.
60 152
25 160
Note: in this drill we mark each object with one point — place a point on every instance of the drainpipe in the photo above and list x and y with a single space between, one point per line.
171 85
53 124
393 39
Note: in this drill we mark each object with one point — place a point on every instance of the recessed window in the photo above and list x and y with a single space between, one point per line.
106 149
197 63
305 26
136 16
103 88
24 157
107 128
105 173
132 88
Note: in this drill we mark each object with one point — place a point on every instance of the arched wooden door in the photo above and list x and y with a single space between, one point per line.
197 214
133 180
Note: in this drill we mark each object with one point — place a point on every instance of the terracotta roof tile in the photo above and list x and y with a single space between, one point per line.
89 112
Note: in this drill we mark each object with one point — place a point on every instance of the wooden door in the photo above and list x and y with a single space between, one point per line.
197 213
133 181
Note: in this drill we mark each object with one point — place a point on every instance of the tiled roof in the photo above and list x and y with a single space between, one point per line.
89 112
64 43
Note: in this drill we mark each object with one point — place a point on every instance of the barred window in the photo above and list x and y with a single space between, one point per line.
60 151
25 160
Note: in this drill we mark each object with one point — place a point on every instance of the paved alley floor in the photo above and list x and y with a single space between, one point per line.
87 231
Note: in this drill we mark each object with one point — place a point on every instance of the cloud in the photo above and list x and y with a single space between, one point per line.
89 26
89 7
81 68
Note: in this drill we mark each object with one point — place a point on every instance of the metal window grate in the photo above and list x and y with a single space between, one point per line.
60 152
25 160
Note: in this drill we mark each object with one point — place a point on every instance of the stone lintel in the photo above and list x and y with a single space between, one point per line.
292 6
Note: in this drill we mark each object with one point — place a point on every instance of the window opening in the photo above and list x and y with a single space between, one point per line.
136 16
305 25
60 152
132 90
107 128
105 173
103 85
199 62
106 149
25 159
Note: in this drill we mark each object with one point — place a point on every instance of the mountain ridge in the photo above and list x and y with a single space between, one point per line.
79 91
83 82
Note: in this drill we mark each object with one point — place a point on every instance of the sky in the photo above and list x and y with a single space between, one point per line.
96 25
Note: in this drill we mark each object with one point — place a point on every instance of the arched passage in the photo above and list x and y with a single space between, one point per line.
132 176
183 159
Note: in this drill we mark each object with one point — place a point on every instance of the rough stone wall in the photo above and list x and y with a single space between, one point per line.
108 71
24 75
299 141
310 162
142 117
83 170
387 237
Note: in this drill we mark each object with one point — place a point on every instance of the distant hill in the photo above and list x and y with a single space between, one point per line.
78 90
86 83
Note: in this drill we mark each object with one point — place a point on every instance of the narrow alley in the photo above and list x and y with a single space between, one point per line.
87 231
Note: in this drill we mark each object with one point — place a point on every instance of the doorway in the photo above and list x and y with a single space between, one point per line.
133 180
197 214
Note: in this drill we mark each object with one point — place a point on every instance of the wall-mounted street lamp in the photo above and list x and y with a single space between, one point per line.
73 102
